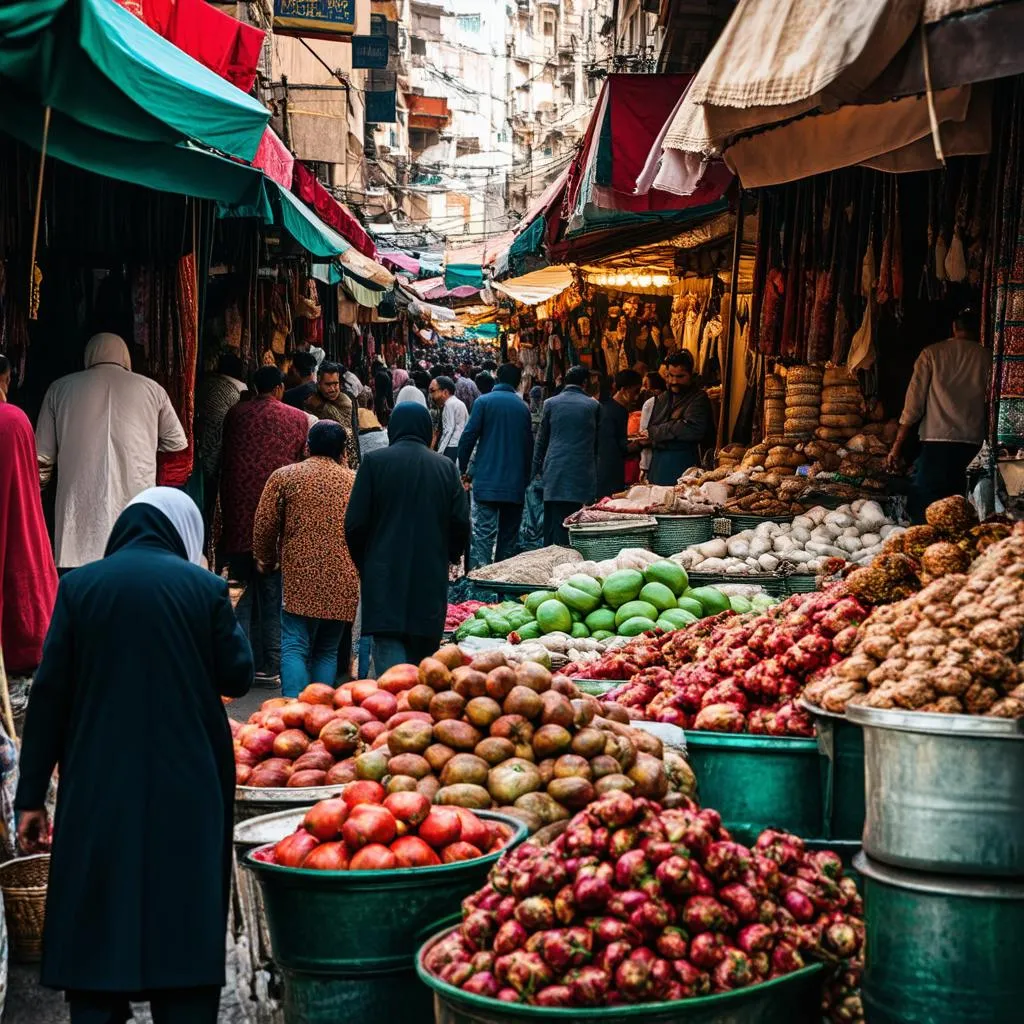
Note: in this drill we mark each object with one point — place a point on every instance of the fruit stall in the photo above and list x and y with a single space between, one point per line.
737 808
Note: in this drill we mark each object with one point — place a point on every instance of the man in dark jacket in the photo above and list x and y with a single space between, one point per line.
680 420
566 454
500 431
407 520
127 701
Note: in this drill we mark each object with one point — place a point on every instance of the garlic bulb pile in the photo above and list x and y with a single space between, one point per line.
854 533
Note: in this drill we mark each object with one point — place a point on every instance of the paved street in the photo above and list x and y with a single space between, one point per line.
29 1003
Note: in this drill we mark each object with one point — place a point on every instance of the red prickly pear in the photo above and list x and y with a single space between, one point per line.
614 809
457 974
565 905
755 938
622 904
609 958
527 973
798 904
622 840
672 943
479 928
733 971
506 908
536 912
633 975
707 949
661 978
509 995
590 986
554 995
482 961
482 984
704 914
740 899
631 869
786 958
695 981
591 893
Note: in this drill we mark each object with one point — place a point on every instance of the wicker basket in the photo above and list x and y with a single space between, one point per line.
23 882
741 523
677 533
606 540
801 583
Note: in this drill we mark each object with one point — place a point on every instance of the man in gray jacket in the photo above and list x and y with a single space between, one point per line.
565 455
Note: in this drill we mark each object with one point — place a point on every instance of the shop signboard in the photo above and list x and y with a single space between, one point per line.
315 19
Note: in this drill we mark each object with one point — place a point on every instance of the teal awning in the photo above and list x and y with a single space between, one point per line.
327 272
316 237
99 65
183 168
366 293
458 274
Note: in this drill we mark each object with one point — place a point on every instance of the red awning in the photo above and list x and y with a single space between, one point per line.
219 42
275 159
329 210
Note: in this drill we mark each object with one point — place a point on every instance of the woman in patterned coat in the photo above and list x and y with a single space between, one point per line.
300 525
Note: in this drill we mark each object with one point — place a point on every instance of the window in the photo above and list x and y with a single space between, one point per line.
591 88
569 92
468 22
548 25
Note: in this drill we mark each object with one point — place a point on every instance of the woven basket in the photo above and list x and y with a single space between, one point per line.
23 882
597 544
741 523
677 533
771 584
801 583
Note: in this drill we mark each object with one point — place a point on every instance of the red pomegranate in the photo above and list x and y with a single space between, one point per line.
324 819
366 824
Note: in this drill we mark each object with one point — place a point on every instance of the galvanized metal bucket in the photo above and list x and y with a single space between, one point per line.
945 793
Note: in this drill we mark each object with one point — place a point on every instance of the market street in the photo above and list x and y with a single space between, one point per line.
511 507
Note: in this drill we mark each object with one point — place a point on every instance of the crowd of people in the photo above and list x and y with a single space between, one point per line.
329 505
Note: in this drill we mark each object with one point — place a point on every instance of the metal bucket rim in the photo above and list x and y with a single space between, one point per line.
933 724
934 884
372 879
748 741
818 712
721 1000
289 794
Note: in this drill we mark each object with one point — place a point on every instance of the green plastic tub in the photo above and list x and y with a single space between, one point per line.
359 922
788 1000
759 782
941 949
841 744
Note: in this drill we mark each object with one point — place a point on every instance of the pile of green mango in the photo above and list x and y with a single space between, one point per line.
627 603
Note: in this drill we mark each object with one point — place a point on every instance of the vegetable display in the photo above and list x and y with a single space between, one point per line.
625 603
740 673
458 613
950 649
365 829
635 903
817 541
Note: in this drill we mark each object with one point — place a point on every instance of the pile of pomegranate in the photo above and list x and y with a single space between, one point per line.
365 829
636 903
742 673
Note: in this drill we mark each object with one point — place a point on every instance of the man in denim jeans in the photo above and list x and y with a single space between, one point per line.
500 429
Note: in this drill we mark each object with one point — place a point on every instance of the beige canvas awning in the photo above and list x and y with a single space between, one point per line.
541 285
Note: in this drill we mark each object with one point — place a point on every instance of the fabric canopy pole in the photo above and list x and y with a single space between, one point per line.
33 311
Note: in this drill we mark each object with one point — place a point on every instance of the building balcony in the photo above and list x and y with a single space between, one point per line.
429 113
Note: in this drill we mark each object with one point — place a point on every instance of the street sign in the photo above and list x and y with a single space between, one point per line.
315 19
381 106
370 51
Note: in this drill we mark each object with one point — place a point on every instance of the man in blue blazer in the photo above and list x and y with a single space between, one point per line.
565 455
500 430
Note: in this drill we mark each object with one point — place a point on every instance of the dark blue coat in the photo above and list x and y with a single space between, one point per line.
501 429
566 451
141 648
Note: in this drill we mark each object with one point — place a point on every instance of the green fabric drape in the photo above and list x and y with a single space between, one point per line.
316 237
183 168
100 65
458 274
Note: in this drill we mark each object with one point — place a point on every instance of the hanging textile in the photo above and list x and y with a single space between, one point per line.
1003 291
174 469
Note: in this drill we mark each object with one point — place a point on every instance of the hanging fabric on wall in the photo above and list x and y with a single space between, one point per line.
174 468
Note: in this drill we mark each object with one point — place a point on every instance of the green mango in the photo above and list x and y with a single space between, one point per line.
713 601
537 598
636 625
580 593
529 631
739 604
659 595
603 618
679 617
518 617
692 605
602 634
554 617
631 609
622 586
472 627
498 625
668 573
579 630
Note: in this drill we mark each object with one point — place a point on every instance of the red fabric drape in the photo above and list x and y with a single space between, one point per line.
219 42
174 468
28 577
330 211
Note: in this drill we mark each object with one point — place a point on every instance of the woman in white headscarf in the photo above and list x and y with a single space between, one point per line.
102 429
127 701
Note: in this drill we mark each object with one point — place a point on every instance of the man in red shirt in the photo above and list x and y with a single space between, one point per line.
259 437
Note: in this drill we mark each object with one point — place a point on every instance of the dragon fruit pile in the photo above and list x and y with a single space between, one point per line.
637 904
743 673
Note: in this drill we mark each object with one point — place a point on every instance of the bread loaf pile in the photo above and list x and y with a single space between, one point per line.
774 405
842 406
803 401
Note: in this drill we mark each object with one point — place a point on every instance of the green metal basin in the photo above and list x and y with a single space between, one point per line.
358 922
792 999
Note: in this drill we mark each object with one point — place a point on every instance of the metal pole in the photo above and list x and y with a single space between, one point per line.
730 334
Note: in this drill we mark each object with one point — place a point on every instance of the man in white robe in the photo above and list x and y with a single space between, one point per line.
102 429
